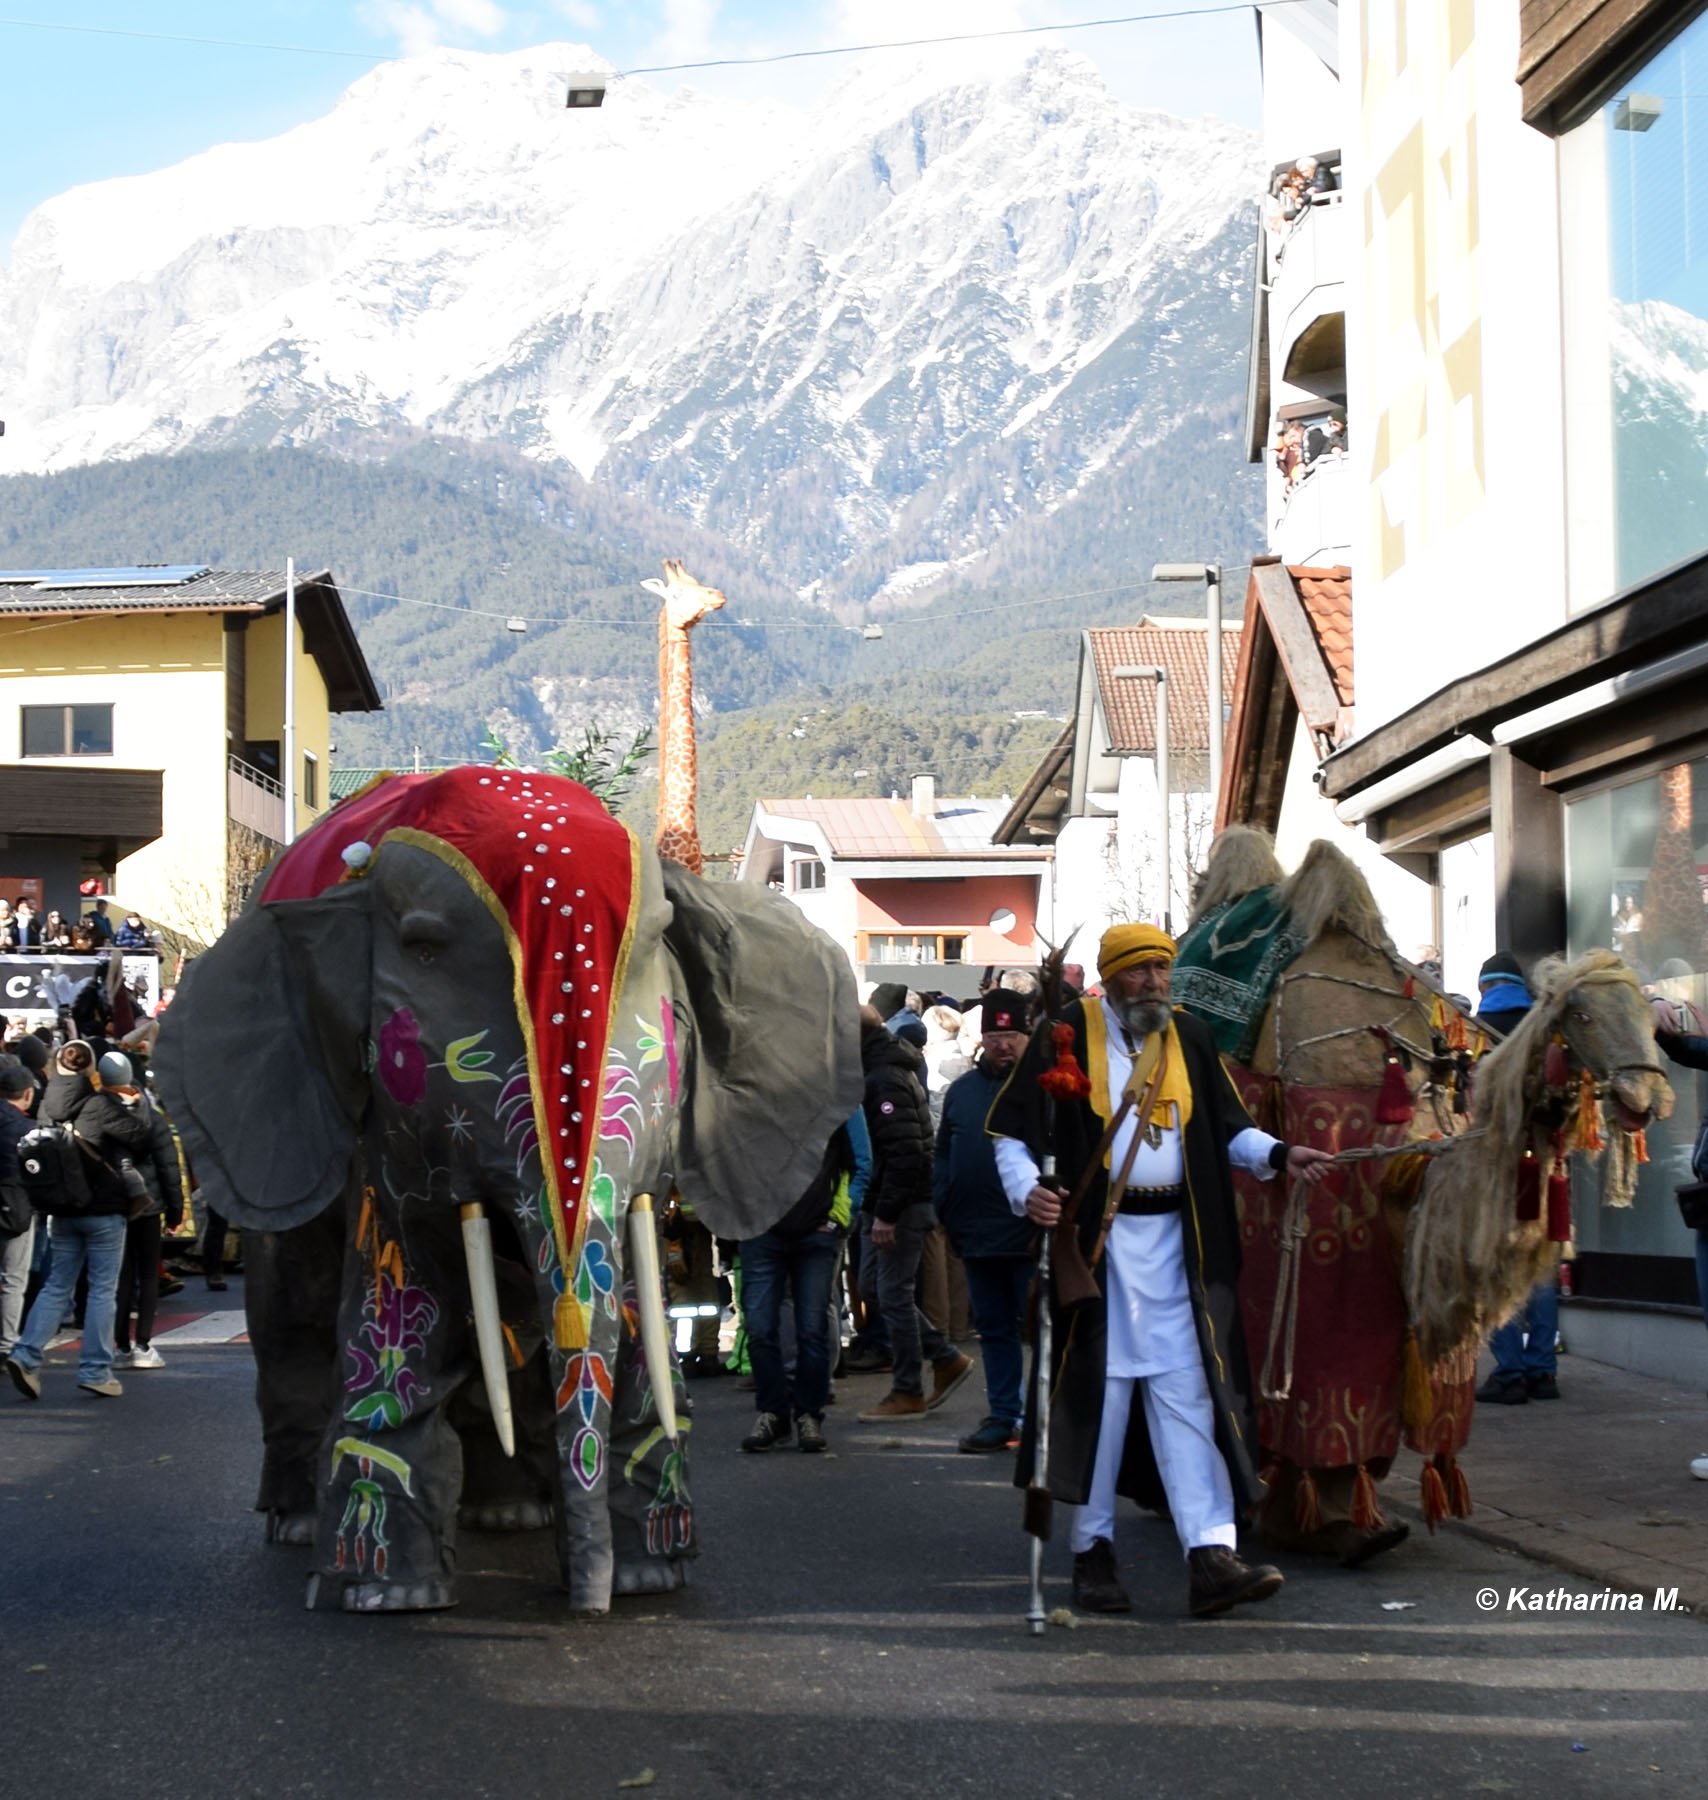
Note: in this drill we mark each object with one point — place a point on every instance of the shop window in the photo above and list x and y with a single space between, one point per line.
67 730
1634 205
1637 877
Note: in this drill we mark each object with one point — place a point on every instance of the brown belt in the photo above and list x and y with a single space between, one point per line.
1146 1201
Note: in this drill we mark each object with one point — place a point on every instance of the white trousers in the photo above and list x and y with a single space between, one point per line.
1182 1421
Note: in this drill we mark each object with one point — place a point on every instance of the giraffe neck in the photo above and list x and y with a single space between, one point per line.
677 836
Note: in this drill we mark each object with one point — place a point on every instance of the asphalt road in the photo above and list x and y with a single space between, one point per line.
855 1627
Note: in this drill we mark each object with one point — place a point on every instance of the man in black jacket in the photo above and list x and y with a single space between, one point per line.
17 1097
107 1132
994 1246
898 1117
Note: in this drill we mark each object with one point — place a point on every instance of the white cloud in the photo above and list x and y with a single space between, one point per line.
582 14
421 26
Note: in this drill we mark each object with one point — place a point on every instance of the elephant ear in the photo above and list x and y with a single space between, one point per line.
774 1023
262 1058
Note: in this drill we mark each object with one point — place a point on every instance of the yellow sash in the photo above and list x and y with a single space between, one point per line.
1175 1089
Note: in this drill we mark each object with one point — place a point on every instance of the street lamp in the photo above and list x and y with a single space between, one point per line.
1211 576
1153 672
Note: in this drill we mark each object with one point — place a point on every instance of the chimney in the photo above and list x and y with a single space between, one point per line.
925 796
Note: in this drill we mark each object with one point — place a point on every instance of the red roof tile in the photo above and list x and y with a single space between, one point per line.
1180 647
1327 597
869 827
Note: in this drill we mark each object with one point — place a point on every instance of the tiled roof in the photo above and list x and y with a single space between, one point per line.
888 829
1327 597
327 633
31 591
1180 647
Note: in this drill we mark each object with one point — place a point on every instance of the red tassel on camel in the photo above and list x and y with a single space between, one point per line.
1065 1080
1529 1187
1559 1205
1307 1504
1394 1102
1556 1071
1458 1488
1434 1495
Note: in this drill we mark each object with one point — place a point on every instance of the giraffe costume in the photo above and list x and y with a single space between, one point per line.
686 603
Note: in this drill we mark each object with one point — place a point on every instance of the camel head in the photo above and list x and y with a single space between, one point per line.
1597 1007
686 601
1242 858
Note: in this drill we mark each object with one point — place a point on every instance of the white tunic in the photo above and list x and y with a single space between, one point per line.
1151 1328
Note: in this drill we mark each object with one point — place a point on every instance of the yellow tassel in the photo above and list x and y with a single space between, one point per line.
1307 1504
1417 1401
511 1345
569 1323
1458 1489
1587 1126
1366 1508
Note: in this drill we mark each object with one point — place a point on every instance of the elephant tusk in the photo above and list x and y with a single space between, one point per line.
649 1298
488 1332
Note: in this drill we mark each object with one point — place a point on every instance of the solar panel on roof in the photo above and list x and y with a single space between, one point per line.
148 575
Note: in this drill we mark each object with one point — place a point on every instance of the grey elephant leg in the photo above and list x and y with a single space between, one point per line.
391 1462
507 1493
652 1516
290 1297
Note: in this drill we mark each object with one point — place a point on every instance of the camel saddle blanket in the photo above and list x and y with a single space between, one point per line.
1228 965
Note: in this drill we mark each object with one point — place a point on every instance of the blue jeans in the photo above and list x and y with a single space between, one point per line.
805 1265
1540 1317
98 1240
914 1340
996 1290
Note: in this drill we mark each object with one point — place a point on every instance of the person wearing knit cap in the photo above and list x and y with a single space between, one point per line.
1526 1367
1146 1139
108 1131
995 1247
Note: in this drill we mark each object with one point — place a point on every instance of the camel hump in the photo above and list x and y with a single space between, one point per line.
1328 892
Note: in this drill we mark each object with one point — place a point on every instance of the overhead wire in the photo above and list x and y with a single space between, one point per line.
719 62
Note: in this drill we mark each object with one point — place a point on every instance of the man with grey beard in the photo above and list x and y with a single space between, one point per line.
1146 1262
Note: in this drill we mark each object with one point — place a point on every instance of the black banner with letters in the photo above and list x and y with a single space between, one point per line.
43 983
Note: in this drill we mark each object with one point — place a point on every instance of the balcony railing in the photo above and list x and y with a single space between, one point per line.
254 799
1310 523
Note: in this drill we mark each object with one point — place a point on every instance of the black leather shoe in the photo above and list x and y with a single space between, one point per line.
1503 1390
1220 1580
1096 1583
1542 1387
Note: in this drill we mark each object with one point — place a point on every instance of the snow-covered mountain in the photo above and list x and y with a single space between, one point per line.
863 340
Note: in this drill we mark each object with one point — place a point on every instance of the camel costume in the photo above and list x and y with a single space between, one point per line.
1166 1313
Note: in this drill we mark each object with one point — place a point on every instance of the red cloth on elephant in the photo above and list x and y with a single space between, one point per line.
1350 1333
560 876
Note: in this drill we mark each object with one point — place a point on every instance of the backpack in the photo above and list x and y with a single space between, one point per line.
51 1169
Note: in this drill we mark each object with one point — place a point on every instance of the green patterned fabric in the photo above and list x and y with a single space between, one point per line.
1228 965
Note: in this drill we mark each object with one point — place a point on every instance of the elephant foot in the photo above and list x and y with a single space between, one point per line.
431 1595
506 1515
650 1575
290 1528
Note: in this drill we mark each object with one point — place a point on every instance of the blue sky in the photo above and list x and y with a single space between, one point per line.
83 106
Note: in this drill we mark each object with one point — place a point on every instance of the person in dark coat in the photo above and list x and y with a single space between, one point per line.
994 1246
898 1118
107 1132
17 1099
139 1275
1523 1348
1154 1243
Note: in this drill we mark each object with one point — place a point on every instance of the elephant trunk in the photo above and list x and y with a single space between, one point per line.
488 1335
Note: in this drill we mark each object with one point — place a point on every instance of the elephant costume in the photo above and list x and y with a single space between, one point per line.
474 992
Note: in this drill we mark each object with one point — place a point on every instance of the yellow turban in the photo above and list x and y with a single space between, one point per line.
1125 945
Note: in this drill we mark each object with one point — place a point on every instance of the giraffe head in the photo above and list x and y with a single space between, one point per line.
686 602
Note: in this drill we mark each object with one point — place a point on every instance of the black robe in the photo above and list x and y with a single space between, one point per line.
1212 1252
